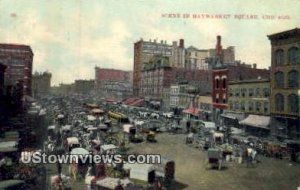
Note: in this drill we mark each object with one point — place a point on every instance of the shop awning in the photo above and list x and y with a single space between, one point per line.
256 121
193 111
235 116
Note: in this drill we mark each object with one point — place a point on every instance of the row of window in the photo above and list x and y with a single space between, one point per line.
249 92
293 79
250 106
292 103
223 83
293 56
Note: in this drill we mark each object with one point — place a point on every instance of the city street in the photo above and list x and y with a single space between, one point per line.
191 174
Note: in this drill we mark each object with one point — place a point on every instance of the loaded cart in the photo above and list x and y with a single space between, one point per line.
214 158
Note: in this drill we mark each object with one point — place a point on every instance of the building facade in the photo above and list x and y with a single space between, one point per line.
41 83
84 86
117 90
18 59
156 75
144 52
196 58
249 96
285 68
104 77
222 75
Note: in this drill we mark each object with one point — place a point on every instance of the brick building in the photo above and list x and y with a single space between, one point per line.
222 75
41 83
285 68
104 75
144 52
18 59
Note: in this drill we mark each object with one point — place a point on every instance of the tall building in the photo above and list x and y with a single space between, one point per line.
144 52
41 83
285 68
196 58
18 59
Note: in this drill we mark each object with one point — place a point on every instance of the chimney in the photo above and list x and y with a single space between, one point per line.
181 43
254 65
219 46
161 41
165 42
149 40
155 41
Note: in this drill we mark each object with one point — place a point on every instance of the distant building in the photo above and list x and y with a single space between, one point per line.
113 83
285 68
144 52
84 86
63 89
41 83
196 59
18 59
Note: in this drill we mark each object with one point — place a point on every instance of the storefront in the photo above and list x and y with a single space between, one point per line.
256 125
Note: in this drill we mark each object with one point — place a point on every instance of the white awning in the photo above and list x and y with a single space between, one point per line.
257 121
237 116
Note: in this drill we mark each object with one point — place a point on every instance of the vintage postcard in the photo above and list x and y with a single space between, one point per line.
157 94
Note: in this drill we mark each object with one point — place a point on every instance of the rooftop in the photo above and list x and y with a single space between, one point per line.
16 47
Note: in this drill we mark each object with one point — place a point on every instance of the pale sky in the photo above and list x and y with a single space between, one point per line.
69 38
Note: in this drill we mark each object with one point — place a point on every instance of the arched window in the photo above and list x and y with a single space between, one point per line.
266 92
250 106
293 55
258 106
243 105
237 92
251 91
266 107
279 57
279 79
293 102
217 83
236 105
230 92
279 102
257 91
293 79
244 91
224 83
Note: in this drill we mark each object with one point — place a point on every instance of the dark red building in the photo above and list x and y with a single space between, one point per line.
111 75
223 74
18 60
